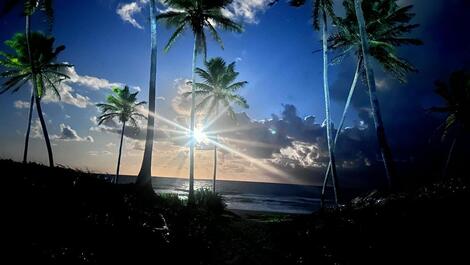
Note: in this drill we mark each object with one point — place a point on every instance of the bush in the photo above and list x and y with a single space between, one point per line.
205 199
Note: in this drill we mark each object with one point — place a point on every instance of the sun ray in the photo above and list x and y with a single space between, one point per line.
255 161
209 123
249 143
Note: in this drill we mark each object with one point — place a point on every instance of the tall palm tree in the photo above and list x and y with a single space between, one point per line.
368 48
122 105
387 25
42 70
29 8
456 95
322 10
197 15
218 88
144 177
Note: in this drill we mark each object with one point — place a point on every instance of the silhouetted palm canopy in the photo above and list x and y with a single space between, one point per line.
44 55
457 97
386 25
123 105
218 87
198 15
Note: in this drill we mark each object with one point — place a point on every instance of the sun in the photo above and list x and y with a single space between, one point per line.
200 136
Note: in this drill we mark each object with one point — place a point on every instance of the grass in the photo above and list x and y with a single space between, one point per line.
64 216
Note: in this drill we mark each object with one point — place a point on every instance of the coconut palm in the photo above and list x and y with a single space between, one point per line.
381 12
197 15
218 89
121 105
144 177
29 8
322 10
387 26
456 95
42 71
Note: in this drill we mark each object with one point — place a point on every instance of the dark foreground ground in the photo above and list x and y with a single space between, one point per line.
62 216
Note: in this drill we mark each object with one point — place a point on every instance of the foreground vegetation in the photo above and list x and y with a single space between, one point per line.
63 216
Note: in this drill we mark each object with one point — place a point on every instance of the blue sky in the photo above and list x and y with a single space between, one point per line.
274 54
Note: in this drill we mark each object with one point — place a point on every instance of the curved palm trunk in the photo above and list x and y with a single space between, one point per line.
119 154
191 141
145 174
449 158
374 102
327 107
44 131
214 177
340 127
31 104
28 129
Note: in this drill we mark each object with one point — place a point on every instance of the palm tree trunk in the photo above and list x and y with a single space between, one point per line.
214 177
44 131
340 127
31 104
449 158
145 174
119 154
374 102
28 129
191 141
327 106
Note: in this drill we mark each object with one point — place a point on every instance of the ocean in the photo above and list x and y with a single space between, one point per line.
248 196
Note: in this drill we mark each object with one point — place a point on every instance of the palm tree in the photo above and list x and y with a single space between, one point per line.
322 9
457 98
218 88
197 15
42 71
370 47
144 177
122 105
29 8
386 26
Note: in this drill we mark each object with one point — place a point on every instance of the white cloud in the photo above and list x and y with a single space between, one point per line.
127 12
94 83
299 154
36 130
68 96
69 134
19 104
246 10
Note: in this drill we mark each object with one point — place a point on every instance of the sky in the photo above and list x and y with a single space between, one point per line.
280 138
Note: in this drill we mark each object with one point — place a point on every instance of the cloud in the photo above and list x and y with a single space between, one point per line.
36 130
94 83
68 96
180 104
131 132
19 104
69 134
127 11
97 153
246 10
